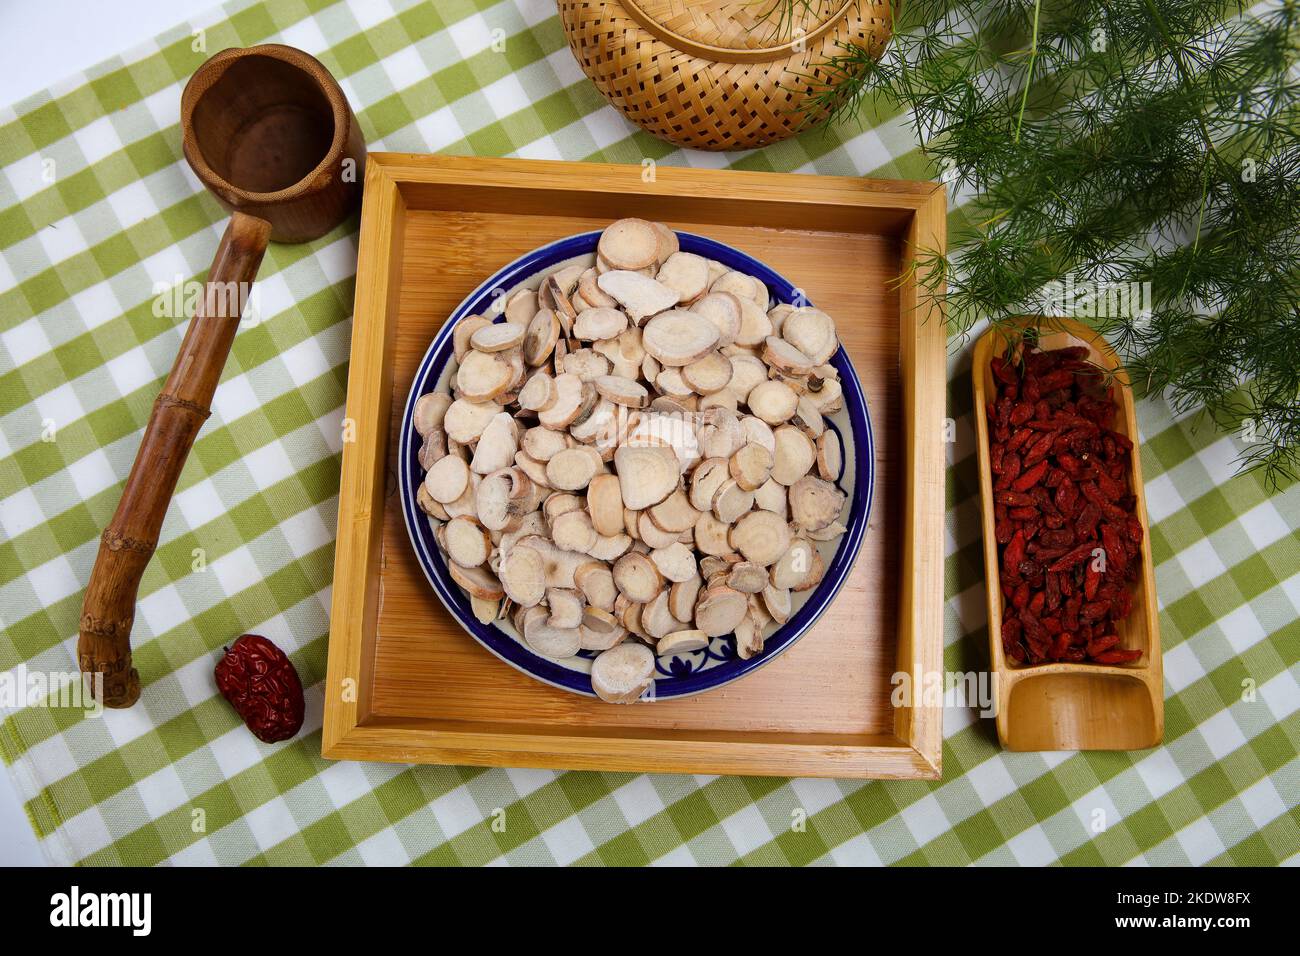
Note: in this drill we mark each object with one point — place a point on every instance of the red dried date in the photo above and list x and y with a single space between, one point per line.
261 683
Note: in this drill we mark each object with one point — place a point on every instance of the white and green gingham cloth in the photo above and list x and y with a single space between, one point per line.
98 209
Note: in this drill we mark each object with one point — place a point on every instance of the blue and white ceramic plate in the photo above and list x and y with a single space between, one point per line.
678 675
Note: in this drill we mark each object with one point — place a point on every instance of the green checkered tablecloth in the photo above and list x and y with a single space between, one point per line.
97 207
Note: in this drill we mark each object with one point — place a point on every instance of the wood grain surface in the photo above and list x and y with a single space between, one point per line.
428 691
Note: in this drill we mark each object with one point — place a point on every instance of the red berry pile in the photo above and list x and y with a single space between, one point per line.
1068 536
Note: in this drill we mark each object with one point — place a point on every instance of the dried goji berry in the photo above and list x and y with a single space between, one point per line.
1116 656
1091 580
1015 552
1099 645
1061 494
1013 498
1031 477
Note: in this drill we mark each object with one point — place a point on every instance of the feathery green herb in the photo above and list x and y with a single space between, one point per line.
1090 143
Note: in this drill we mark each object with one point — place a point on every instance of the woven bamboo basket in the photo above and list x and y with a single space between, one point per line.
717 74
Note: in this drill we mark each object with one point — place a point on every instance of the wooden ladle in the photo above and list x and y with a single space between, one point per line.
268 131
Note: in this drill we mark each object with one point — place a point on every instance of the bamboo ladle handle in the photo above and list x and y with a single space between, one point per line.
181 408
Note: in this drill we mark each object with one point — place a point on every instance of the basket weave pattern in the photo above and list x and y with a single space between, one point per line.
711 74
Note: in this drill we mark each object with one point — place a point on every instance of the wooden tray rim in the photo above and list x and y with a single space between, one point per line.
350 732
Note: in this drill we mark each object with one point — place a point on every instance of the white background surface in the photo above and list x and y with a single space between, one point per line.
42 42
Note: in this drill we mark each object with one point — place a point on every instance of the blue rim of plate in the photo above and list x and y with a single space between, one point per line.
515 652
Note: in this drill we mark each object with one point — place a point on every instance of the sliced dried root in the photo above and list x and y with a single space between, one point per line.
566 608
521 307
544 443
554 293
539 393
812 332
496 446
747 371
573 531
828 399
742 286
814 503
681 642
707 478
773 402
731 501
572 469
523 576
464 330
795 455
485 611
671 383
676 562
622 391
678 337
465 420
762 537
610 547
656 619
726 403
830 456
534 469
598 426
599 323
650 533
720 610
773 496
754 324
675 513
721 435
636 576
605 504
777 602
668 242
599 630
429 412
596 582
542 334
794 566
478 582
468 542
749 638
640 296
447 480
570 396
623 673
647 474
747 577
498 337
587 364
709 374
712 535
591 293
629 244
808 419
751 466
554 642
722 309
426 504
502 498
483 376
686 273
781 355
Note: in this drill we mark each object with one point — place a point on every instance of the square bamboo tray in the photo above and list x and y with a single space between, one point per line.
406 684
